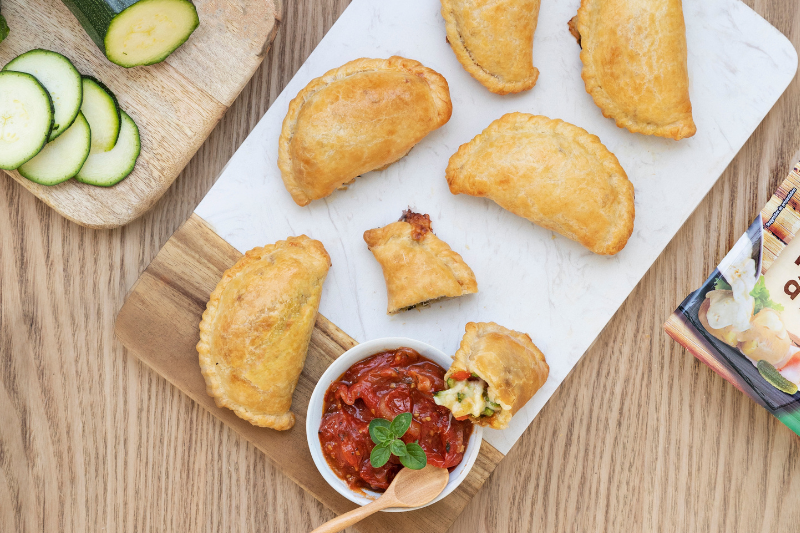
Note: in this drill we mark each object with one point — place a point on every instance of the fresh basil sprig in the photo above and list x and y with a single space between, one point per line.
386 436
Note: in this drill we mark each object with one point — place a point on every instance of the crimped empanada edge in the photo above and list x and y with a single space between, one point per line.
624 226
488 80
208 368
681 129
440 92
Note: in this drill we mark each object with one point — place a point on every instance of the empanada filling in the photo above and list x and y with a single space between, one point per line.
420 223
467 395
420 305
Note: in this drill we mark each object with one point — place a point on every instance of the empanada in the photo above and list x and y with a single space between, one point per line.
494 373
552 173
255 331
418 267
634 64
493 40
362 116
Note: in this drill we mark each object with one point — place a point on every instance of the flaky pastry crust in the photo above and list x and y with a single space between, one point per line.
418 266
551 172
362 116
493 40
508 361
256 328
635 64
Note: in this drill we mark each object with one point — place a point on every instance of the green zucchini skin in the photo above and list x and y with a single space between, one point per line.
96 16
3 26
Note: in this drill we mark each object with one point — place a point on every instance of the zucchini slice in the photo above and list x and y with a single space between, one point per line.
105 169
26 115
61 159
3 28
136 32
61 79
101 109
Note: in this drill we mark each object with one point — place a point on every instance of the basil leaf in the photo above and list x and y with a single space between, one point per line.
398 448
379 430
379 455
400 424
416 458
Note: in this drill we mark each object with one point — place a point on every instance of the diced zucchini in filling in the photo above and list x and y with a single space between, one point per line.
466 398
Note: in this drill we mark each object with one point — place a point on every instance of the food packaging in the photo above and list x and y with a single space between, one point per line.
744 321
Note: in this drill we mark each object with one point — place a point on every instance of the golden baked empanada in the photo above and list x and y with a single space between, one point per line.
493 40
417 265
494 373
552 173
362 116
634 64
256 328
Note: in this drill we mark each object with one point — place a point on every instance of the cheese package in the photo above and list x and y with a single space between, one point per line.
744 321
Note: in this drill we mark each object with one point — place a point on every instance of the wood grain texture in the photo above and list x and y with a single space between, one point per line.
640 437
159 323
175 103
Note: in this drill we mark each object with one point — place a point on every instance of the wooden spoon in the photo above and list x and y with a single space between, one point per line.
410 488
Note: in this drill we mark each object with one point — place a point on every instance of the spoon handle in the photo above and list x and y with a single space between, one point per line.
350 518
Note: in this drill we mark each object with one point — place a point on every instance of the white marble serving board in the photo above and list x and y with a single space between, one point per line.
529 279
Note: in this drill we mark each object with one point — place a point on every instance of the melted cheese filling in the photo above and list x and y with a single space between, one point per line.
466 398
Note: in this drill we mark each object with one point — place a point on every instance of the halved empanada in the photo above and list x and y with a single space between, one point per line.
362 116
634 64
493 40
495 372
418 266
552 173
255 331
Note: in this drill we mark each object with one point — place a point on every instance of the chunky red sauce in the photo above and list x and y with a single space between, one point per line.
383 386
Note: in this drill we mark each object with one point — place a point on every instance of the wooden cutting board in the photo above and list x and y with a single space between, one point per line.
175 103
159 323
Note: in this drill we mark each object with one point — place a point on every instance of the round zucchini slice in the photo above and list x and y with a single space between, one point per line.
60 78
26 116
61 159
105 169
101 110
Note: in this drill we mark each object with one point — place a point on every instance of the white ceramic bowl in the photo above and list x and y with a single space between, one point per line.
339 367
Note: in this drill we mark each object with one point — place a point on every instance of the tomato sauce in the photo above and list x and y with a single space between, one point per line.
383 386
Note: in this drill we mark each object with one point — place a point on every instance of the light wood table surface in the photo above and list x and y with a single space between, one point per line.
641 436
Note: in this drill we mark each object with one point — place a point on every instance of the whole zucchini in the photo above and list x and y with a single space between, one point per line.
136 32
